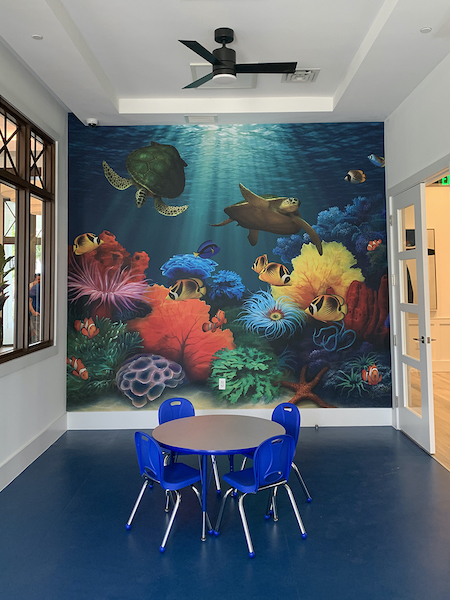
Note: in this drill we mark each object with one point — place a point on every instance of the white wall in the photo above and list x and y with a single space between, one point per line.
33 388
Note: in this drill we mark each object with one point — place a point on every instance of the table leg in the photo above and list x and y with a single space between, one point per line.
204 493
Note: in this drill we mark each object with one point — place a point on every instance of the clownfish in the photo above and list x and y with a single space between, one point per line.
186 289
216 322
87 327
327 308
371 375
78 367
260 263
355 176
373 244
86 242
275 274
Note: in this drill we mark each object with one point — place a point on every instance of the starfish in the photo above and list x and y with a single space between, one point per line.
303 389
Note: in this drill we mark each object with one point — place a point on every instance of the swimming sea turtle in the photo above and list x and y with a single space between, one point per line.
156 170
268 213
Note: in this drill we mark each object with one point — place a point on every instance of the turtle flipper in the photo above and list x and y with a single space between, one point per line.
253 236
223 223
312 234
253 199
166 210
120 183
141 197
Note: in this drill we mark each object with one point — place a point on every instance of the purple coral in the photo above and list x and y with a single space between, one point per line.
144 376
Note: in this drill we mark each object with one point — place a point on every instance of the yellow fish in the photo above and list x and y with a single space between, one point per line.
260 263
86 242
327 308
186 289
275 274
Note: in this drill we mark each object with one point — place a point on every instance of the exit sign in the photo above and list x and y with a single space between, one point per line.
445 180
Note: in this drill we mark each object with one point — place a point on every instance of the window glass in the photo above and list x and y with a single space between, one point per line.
36 276
7 268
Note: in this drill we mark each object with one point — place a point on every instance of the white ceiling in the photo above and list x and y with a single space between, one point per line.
120 61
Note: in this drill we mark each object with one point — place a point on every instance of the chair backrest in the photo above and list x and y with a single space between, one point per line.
272 460
149 455
175 408
288 415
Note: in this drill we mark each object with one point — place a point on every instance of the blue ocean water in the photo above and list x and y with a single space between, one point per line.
307 161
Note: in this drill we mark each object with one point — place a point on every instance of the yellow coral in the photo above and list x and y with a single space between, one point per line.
314 274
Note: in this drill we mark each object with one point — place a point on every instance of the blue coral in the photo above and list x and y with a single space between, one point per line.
226 283
187 265
271 318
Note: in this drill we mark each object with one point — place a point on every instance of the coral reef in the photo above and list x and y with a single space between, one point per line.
368 311
303 389
226 284
250 375
187 265
144 377
174 330
102 356
314 274
273 318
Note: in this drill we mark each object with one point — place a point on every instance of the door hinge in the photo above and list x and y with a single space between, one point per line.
395 339
390 220
395 401
393 280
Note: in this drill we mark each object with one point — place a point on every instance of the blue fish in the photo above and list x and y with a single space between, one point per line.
207 249
378 161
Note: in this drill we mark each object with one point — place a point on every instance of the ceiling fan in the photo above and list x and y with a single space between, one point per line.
223 60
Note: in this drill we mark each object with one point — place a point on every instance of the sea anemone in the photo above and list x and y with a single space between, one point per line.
227 283
273 318
187 265
117 289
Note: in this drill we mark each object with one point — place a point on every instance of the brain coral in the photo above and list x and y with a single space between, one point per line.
174 329
144 377
314 274
187 265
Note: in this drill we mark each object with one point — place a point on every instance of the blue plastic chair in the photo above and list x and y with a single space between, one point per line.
178 408
288 415
272 463
172 477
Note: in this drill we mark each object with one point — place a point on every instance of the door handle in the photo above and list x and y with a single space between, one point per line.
421 339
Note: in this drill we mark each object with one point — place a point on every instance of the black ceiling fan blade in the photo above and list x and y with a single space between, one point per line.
201 51
287 67
199 82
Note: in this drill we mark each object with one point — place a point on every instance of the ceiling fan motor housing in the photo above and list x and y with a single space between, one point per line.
227 57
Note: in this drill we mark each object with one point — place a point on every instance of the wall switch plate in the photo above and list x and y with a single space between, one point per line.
222 383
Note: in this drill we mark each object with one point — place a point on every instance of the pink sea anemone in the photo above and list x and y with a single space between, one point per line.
111 288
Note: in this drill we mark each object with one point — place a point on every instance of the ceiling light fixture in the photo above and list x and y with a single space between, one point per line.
426 30
224 78
37 36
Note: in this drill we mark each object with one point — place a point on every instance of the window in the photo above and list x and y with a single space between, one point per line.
27 197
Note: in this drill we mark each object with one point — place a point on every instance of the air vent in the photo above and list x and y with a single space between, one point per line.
201 119
301 76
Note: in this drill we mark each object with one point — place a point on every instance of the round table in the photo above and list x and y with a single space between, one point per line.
215 434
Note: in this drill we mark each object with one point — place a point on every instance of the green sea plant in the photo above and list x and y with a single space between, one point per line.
101 356
250 375
350 382
364 361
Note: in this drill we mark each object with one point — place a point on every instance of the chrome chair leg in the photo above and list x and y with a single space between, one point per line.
222 508
251 552
197 493
296 512
274 504
302 483
172 518
135 507
244 462
216 473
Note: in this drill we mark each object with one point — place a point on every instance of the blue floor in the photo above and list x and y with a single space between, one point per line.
378 527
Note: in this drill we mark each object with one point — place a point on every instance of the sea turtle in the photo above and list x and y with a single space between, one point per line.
268 213
156 170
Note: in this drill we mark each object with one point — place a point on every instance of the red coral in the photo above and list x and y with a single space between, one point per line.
174 330
367 311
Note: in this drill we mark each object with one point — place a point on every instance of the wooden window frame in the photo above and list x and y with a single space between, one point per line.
24 190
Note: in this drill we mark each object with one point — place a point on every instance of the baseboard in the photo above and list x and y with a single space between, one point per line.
17 463
323 417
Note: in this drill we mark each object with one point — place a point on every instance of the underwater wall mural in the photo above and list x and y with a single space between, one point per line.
250 253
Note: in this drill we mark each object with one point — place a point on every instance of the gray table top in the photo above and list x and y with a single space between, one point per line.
216 434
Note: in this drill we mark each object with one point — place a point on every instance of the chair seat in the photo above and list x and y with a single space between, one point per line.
244 480
178 475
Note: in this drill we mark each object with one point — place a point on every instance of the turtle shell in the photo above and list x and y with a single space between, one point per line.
158 168
267 219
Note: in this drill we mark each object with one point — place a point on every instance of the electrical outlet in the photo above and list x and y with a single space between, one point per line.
222 383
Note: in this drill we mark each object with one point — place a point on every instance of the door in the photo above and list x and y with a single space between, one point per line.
413 383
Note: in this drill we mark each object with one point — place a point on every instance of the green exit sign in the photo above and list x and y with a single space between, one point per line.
445 180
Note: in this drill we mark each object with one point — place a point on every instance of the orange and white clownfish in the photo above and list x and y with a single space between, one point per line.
371 375
216 322
373 244
87 327
78 367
